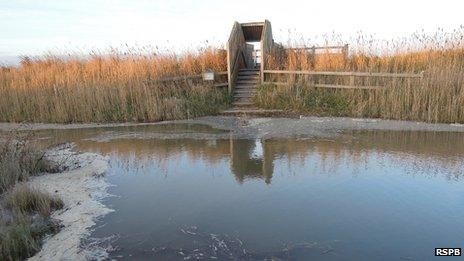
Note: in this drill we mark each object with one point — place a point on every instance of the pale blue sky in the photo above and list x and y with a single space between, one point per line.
33 27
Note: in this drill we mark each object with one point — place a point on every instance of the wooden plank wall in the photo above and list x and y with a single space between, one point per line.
267 45
249 55
235 57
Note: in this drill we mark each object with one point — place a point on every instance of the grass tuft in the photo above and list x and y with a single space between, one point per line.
22 237
23 198
19 159
24 211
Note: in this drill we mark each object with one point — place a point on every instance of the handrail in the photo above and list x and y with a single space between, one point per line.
236 59
239 53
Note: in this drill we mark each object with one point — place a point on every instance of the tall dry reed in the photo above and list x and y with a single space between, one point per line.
437 97
123 86
109 87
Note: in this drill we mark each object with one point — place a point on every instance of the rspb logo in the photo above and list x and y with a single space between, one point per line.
447 251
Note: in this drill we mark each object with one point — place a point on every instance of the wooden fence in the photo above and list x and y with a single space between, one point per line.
308 76
218 81
342 48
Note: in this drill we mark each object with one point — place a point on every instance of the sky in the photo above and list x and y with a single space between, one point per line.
35 27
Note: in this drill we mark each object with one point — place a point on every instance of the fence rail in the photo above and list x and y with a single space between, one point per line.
358 74
192 77
330 47
351 75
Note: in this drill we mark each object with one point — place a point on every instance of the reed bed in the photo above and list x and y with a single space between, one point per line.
119 86
437 97
122 86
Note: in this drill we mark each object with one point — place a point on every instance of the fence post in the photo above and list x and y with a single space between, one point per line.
351 80
345 53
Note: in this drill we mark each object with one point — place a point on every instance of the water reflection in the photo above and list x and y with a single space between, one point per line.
358 196
250 159
428 153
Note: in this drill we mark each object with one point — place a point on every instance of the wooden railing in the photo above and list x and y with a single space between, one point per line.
351 78
313 49
267 46
236 46
195 77
238 62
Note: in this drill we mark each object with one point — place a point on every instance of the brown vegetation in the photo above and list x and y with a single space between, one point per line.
24 211
125 86
109 88
437 97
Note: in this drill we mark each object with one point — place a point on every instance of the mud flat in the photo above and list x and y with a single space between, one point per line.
80 185
270 127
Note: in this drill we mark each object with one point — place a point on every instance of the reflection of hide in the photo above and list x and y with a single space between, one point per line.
440 151
246 164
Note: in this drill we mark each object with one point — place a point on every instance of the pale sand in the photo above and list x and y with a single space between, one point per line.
80 187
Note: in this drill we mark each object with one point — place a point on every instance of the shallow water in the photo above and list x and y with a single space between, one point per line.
358 196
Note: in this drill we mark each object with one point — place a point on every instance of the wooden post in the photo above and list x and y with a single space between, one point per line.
345 54
229 73
267 46
313 57
351 80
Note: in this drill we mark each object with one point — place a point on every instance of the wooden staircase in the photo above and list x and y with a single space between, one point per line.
244 90
240 54
245 87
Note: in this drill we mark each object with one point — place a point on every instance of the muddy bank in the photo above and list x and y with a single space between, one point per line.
267 127
80 186
317 126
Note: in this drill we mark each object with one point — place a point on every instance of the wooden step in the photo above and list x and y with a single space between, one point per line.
248 73
248 77
245 88
236 98
238 91
242 103
243 95
246 85
250 110
249 70
243 82
247 99
241 91
255 76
